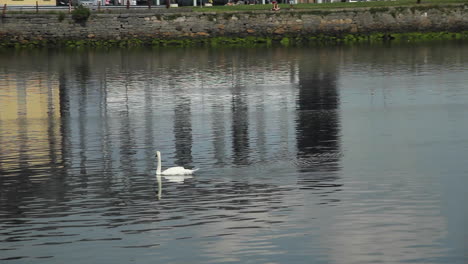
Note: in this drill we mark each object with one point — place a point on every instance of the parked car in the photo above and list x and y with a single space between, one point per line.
66 2
88 3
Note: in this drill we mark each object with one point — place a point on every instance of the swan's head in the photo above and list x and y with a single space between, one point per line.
158 154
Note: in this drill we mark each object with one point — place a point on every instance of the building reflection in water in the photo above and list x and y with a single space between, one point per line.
183 130
240 127
149 127
31 139
219 133
77 142
105 116
83 75
318 120
260 126
30 123
64 110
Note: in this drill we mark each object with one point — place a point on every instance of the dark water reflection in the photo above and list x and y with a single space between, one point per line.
323 155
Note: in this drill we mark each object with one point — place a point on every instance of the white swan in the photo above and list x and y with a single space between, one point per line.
173 170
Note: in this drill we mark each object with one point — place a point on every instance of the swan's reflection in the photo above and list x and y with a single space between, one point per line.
170 178
177 178
158 179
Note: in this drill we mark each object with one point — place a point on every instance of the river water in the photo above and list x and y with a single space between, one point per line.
351 154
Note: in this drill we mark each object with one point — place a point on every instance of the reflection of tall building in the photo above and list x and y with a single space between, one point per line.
83 119
127 135
240 127
148 128
29 113
317 122
317 113
111 121
64 102
260 130
183 130
219 133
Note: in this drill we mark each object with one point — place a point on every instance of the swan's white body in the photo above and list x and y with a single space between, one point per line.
173 170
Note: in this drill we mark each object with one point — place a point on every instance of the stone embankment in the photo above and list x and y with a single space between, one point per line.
159 25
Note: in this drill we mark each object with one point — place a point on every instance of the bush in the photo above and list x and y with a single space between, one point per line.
81 14
61 16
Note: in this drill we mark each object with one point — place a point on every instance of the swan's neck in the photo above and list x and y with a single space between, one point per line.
158 170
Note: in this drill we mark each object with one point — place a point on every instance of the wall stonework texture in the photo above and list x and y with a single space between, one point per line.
237 24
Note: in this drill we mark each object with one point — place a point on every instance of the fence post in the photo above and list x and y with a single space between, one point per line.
37 7
4 10
149 4
99 7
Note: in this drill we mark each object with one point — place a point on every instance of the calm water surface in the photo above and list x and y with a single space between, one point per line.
306 155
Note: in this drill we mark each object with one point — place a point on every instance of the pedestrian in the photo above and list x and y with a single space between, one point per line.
275 6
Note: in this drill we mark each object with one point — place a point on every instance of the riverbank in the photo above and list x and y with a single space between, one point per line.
285 27
315 40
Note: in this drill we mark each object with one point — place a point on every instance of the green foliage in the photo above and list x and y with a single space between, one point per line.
250 41
81 14
336 5
285 42
61 16
172 17
374 10
239 41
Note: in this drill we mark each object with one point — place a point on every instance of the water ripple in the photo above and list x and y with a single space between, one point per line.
331 155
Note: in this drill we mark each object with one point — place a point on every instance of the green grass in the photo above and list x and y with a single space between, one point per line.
328 5
246 8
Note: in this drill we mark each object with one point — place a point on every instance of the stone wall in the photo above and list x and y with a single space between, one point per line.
159 24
